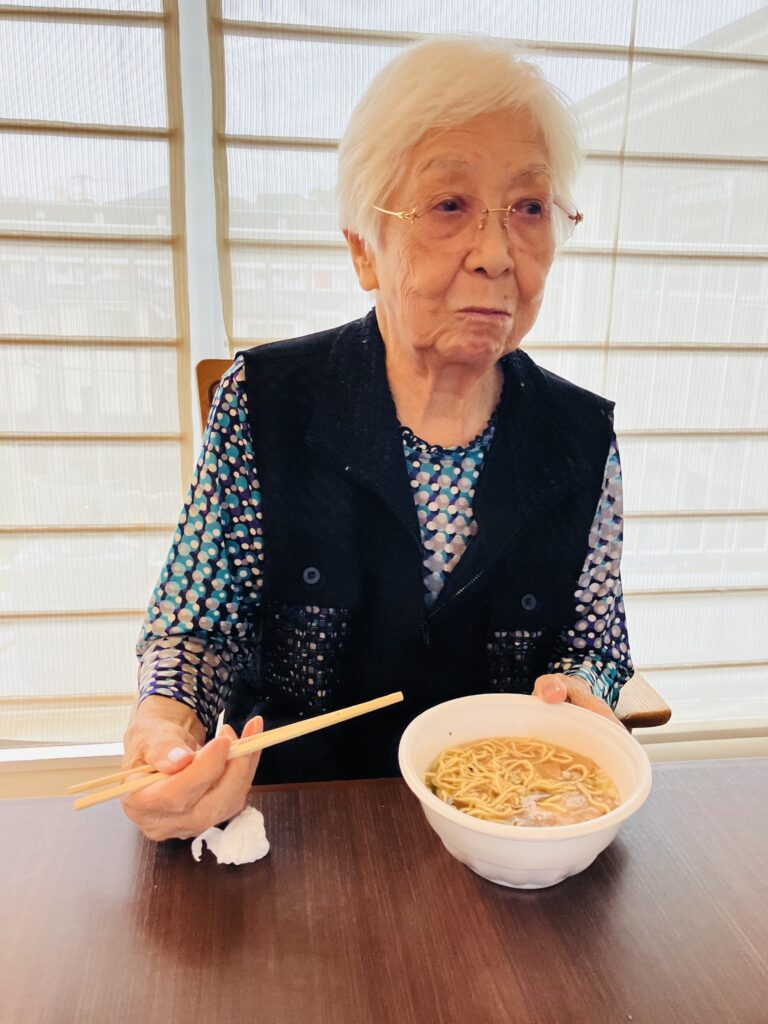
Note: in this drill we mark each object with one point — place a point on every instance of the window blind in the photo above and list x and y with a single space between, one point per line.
95 423
660 300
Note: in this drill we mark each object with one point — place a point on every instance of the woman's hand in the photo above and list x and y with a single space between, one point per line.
204 789
558 687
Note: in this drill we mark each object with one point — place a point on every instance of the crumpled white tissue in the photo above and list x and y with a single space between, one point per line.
242 841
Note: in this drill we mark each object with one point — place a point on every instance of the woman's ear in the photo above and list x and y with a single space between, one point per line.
364 262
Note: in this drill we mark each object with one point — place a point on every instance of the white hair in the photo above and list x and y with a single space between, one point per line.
443 82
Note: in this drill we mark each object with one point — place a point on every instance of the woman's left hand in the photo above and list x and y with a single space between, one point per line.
558 687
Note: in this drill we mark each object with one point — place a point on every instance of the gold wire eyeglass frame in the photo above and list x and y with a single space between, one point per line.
413 215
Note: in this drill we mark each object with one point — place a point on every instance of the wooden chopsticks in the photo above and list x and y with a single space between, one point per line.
240 748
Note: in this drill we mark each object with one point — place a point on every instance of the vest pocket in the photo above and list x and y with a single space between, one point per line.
301 651
515 658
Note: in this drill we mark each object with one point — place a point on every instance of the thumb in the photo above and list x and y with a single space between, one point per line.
171 758
551 689
582 696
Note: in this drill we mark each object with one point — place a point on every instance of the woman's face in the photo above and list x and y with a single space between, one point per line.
471 302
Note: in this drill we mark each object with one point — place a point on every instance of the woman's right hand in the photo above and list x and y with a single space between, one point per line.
204 788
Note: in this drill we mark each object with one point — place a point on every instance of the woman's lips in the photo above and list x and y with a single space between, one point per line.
485 312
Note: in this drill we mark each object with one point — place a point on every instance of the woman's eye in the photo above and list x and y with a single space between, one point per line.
451 204
531 208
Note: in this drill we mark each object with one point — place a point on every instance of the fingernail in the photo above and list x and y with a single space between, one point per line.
552 690
177 754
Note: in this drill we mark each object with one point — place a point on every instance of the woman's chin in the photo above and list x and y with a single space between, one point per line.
481 345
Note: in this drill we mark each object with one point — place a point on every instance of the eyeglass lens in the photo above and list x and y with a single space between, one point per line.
533 223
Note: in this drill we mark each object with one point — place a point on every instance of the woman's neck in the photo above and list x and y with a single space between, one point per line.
444 404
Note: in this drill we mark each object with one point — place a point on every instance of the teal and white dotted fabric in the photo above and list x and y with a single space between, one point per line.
443 482
197 636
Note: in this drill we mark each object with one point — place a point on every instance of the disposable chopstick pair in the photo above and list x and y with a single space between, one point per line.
240 748
105 780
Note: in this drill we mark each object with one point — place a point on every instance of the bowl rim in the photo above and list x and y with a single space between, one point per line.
527 833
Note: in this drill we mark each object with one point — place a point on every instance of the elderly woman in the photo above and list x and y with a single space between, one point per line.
407 501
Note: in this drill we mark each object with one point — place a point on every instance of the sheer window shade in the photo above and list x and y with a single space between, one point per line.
95 424
660 300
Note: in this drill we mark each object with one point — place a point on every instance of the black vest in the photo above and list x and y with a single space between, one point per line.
342 618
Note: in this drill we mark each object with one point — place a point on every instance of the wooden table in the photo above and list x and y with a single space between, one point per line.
359 916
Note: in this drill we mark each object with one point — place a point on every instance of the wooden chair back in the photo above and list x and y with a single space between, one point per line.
208 373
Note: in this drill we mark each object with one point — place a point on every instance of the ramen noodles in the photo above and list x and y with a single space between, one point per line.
521 781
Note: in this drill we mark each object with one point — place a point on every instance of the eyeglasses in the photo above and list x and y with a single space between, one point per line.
534 224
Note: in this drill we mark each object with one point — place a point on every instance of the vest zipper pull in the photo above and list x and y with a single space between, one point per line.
425 633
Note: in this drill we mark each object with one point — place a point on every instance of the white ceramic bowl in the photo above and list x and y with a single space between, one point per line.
524 857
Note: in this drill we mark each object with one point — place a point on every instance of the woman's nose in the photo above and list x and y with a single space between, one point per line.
491 247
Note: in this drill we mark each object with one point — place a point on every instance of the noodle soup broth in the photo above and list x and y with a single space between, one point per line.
522 857
521 781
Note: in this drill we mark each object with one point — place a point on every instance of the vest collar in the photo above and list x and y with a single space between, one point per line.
531 472
355 424
531 469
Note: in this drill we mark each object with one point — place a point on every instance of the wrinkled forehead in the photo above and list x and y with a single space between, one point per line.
458 168
506 147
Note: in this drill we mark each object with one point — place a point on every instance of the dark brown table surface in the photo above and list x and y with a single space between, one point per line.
359 915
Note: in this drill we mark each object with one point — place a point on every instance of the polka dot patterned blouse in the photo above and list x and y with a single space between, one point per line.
443 482
197 636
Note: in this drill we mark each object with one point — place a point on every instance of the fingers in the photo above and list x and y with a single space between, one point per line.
166 747
171 759
239 772
209 790
182 791
557 687
229 793
584 698
253 728
551 689
170 808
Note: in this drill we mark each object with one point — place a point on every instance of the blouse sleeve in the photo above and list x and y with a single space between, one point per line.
199 635
596 647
